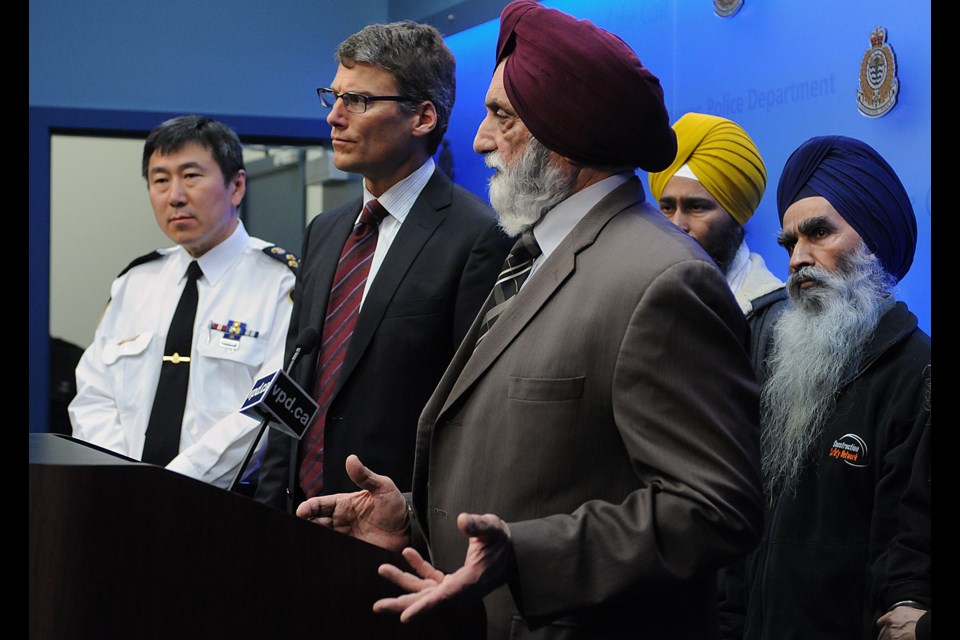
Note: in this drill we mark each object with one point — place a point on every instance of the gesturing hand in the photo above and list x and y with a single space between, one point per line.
376 514
489 563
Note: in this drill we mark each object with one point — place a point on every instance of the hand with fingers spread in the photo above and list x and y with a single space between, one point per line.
490 562
376 514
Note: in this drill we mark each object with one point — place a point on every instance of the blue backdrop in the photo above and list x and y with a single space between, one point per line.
785 71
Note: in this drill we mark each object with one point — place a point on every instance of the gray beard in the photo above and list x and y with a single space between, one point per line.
817 342
523 193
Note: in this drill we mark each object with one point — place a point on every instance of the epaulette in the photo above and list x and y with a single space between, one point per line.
153 255
284 256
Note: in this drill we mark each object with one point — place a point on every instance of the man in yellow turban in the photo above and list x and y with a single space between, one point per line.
710 191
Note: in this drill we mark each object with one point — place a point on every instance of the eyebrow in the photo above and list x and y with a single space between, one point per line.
192 164
695 200
495 105
805 227
811 224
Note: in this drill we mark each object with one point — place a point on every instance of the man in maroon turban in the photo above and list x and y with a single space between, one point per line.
844 405
590 457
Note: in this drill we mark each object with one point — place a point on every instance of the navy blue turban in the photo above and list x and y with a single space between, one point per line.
862 187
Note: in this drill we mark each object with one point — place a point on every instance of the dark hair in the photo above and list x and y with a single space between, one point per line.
172 135
418 58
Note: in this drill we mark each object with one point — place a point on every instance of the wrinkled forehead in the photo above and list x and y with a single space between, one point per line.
806 214
187 154
496 93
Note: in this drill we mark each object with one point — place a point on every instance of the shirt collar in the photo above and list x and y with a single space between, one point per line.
399 199
215 262
559 221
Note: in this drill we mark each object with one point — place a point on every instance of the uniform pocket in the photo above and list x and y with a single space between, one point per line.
116 348
224 376
247 351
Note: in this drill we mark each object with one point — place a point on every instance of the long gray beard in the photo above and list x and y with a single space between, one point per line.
523 193
817 342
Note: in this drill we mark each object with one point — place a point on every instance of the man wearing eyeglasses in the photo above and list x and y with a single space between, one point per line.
431 260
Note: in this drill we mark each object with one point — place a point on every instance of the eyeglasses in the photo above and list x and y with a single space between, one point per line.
354 102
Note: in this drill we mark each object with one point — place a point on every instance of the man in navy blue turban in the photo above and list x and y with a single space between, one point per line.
845 403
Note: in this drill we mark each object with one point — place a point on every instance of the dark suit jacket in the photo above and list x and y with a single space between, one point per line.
610 416
440 267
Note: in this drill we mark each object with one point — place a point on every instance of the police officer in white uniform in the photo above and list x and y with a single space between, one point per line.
196 180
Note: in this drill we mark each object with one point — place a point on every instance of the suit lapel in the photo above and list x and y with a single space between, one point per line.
559 267
427 214
328 234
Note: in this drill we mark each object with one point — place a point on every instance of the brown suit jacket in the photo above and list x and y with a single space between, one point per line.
611 418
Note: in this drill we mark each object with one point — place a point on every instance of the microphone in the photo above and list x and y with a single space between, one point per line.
307 341
279 399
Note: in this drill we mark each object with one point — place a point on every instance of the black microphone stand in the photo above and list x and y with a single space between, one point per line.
307 341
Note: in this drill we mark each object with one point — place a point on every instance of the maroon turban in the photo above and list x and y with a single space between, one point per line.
582 91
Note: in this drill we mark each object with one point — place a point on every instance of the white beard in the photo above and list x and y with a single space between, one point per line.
523 193
817 342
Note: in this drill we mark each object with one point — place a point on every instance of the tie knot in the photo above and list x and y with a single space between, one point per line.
526 246
193 271
373 213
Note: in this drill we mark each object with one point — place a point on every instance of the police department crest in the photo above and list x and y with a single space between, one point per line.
726 8
879 86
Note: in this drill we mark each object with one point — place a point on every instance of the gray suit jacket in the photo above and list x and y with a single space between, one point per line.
611 418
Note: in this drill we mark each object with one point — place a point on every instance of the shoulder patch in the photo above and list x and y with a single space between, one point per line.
153 255
282 255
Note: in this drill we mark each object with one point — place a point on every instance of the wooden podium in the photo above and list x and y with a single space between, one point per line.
123 549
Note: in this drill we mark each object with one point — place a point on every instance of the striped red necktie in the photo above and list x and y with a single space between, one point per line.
342 311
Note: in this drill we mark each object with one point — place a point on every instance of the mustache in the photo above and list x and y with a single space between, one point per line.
813 273
817 275
494 161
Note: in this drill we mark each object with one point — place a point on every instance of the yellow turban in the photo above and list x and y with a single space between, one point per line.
724 159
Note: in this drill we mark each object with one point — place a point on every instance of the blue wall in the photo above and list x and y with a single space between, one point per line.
123 66
244 57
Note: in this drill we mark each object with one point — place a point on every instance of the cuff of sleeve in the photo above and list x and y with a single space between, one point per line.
182 465
908 603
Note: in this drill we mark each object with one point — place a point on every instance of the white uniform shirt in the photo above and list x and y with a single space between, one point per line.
117 375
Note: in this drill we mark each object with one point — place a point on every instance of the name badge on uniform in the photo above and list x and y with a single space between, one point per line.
232 331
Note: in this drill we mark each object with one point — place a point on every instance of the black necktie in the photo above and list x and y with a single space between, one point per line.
515 270
166 418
